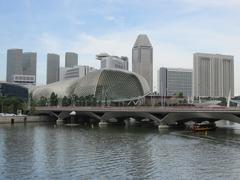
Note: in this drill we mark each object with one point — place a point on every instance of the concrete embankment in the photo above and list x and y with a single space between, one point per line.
23 119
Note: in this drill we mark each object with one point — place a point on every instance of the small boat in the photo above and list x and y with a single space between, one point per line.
203 127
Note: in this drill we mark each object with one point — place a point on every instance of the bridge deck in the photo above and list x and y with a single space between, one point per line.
151 109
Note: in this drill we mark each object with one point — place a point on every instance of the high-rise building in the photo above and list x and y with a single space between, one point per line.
14 63
53 63
112 62
172 81
21 67
62 72
29 63
213 75
142 58
71 59
78 72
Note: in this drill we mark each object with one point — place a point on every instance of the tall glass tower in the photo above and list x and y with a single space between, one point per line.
71 59
53 63
14 63
142 58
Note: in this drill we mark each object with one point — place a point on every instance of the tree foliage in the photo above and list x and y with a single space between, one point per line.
43 101
11 104
53 99
66 101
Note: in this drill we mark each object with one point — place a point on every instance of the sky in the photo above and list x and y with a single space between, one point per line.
176 29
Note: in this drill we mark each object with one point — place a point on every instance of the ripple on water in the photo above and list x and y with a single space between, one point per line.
44 152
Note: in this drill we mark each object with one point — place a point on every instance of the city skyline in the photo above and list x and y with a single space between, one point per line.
182 27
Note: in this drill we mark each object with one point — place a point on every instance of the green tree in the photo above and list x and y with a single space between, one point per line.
180 95
94 101
76 100
73 99
32 103
53 99
12 104
42 101
106 102
66 101
2 98
81 101
88 100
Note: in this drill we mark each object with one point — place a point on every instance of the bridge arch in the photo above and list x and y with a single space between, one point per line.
172 118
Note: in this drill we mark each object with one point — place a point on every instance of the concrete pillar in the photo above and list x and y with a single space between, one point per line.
12 121
59 122
25 120
103 124
162 126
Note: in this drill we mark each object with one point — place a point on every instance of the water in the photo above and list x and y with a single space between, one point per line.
48 152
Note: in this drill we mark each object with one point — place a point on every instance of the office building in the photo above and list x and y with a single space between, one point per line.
142 58
112 62
53 63
62 72
77 72
21 67
172 81
71 59
29 63
14 63
25 80
213 75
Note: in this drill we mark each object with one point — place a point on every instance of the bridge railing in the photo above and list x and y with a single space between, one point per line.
136 108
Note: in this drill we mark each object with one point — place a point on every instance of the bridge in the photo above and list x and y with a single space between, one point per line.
156 114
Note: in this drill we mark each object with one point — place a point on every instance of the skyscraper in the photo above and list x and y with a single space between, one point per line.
29 63
142 58
213 75
71 59
53 65
21 67
14 63
173 81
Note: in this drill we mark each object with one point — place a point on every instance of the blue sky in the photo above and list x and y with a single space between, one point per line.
176 28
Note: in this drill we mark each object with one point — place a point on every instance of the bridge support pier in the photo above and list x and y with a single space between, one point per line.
163 126
59 122
103 124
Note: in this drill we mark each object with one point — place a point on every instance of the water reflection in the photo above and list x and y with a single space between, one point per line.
45 151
